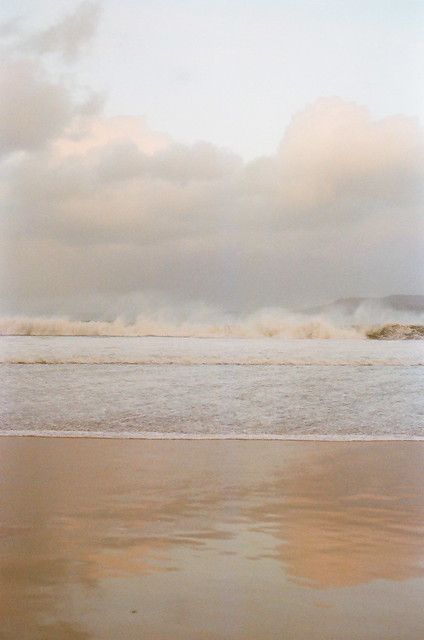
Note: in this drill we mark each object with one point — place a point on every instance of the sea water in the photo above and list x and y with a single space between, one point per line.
155 387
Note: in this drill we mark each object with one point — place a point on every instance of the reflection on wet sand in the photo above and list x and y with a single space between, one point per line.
209 540
348 515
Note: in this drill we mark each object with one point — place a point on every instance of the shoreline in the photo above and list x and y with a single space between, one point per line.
208 437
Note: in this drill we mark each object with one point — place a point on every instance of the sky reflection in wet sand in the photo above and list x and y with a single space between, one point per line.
209 540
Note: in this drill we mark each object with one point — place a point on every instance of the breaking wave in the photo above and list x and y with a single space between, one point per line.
397 332
264 324
252 327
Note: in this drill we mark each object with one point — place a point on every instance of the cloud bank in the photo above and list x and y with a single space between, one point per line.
101 214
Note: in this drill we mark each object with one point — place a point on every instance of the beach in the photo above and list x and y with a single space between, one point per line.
103 539
211 320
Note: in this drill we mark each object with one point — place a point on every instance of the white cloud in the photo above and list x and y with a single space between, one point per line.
71 35
334 148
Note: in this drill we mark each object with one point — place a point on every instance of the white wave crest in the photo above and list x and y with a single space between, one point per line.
270 324
267 323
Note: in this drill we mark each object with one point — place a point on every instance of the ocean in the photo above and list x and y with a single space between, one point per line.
187 387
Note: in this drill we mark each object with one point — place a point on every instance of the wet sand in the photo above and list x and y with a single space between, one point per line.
211 540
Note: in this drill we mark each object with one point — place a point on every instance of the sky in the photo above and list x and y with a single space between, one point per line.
209 155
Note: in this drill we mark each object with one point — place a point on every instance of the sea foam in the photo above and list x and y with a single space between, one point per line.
281 325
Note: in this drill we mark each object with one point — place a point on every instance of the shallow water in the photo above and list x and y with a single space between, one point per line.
214 388
103 539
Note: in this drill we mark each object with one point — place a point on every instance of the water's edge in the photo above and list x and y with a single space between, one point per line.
195 436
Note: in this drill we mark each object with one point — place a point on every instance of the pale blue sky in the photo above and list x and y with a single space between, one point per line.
234 72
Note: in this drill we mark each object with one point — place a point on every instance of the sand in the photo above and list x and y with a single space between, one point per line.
208 540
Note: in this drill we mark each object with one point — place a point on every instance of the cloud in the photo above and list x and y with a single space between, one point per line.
10 28
71 35
333 149
36 106
33 109
107 208
107 133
